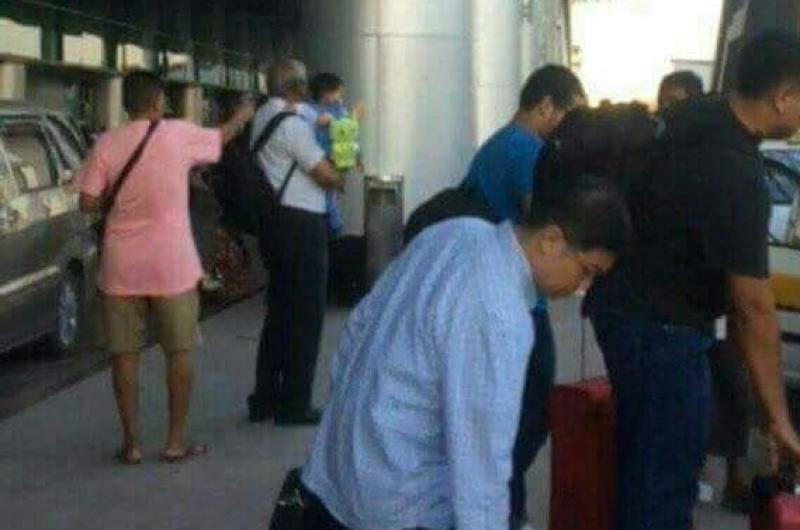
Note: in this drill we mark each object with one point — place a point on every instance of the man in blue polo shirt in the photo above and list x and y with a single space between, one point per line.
502 174
502 171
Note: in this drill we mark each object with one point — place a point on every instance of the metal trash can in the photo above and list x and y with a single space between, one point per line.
383 222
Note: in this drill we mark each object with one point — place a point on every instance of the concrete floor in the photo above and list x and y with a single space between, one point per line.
56 469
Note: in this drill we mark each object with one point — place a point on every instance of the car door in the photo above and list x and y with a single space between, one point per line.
28 271
61 201
783 183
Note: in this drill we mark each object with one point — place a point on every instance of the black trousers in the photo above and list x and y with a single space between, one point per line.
734 406
534 423
295 250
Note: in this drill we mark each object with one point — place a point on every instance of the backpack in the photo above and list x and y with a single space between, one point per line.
447 204
249 201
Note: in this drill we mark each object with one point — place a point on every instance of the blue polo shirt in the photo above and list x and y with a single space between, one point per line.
502 170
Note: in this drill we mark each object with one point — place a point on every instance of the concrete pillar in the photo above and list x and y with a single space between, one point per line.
409 62
543 35
109 111
495 63
190 106
12 80
548 21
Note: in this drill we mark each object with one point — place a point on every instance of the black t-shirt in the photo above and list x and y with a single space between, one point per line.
701 213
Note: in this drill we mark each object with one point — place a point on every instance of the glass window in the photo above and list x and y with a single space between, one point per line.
5 169
8 185
240 73
210 70
131 57
19 39
70 130
26 147
86 49
782 182
179 66
69 150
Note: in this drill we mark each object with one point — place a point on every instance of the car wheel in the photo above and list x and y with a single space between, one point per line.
69 320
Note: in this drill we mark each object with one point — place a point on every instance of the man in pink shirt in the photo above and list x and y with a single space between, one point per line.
149 267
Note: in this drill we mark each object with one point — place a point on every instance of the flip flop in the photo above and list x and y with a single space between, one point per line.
191 451
124 457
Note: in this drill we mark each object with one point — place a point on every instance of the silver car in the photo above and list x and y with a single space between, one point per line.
47 251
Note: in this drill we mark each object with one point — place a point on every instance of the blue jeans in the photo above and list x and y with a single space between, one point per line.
661 382
333 211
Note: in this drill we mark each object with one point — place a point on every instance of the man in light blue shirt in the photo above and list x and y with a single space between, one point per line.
429 374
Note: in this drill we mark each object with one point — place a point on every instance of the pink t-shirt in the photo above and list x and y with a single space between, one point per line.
149 249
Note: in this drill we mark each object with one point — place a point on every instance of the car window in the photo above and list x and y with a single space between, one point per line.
26 147
8 186
71 148
69 157
783 182
788 157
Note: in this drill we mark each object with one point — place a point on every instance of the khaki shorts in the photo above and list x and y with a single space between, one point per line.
174 320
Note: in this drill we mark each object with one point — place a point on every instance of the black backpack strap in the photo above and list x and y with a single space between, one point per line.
269 129
285 183
262 140
108 204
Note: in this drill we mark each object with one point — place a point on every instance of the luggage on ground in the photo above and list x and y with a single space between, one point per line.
582 478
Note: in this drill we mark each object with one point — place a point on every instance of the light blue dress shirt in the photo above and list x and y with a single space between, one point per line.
427 387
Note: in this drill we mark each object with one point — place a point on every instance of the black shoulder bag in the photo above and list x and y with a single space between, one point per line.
111 198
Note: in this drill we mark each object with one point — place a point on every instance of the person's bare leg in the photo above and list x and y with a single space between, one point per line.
179 386
125 377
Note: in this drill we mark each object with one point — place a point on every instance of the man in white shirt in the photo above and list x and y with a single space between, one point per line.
295 248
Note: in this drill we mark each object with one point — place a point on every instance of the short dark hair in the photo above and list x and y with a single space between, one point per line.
552 80
325 83
140 91
591 212
686 80
767 61
614 142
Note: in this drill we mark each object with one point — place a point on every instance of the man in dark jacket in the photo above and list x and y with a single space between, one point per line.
701 214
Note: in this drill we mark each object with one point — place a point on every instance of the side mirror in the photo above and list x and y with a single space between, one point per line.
8 218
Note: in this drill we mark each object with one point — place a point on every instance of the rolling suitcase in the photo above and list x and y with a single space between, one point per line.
776 505
781 513
582 480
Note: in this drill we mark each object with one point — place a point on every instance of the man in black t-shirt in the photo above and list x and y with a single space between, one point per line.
701 213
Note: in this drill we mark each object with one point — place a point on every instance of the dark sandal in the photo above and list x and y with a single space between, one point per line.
125 457
190 452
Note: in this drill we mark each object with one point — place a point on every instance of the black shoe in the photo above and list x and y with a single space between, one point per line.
305 417
258 411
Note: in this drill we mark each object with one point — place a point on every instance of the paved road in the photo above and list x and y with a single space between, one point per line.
32 373
56 469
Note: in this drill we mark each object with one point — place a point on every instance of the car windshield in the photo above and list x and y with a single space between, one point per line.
783 174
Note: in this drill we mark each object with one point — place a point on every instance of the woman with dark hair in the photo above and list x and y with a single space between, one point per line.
612 143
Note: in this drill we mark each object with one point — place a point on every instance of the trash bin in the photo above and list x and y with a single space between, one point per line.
383 222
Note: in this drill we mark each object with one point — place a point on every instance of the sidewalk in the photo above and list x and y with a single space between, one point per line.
57 471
